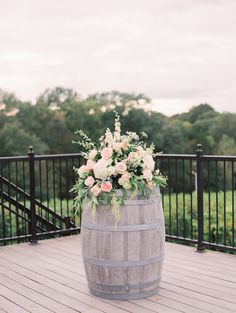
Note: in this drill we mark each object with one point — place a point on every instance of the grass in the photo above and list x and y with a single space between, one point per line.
180 211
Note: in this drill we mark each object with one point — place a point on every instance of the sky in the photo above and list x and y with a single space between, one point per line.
178 52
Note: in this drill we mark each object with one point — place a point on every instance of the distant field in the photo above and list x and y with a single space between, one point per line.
182 207
177 207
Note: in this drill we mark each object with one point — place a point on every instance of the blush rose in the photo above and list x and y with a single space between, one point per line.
106 186
90 165
121 167
96 190
89 181
106 153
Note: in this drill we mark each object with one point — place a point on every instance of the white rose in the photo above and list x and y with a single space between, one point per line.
134 158
149 162
111 171
124 183
100 168
147 174
83 169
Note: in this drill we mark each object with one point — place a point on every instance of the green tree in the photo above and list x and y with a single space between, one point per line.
225 123
46 124
3 119
173 139
14 140
117 98
201 134
85 115
198 112
226 146
9 100
57 97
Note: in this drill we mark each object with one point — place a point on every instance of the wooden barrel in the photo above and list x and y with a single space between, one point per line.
124 262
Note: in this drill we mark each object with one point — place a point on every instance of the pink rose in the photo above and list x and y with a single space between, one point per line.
96 190
106 153
106 186
89 181
89 165
121 167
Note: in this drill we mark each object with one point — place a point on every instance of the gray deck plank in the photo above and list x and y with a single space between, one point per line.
9 306
55 280
53 270
209 303
72 279
27 292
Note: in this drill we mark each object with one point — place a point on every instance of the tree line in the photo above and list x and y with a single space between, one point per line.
50 123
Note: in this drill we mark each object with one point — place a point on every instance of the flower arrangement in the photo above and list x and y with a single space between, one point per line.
118 162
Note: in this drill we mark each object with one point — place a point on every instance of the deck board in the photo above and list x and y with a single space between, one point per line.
49 277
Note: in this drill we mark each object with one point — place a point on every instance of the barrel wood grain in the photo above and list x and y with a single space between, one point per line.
124 261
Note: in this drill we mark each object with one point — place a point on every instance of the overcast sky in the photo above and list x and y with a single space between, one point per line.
178 52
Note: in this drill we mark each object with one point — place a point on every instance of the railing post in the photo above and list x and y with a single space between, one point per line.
33 228
67 224
200 220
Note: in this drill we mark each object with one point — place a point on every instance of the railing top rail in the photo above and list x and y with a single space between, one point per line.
57 156
14 158
158 156
193 157
41 156
176 156
219 157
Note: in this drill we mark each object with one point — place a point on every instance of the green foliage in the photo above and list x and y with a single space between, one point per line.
3 119
46 124
224 123
226 145
14 140
202 111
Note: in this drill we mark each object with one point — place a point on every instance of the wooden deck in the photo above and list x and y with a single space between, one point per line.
49 277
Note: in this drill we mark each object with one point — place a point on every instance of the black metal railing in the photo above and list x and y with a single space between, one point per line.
199 201
35 197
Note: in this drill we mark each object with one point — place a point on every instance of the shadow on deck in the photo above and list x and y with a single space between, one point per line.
49 277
